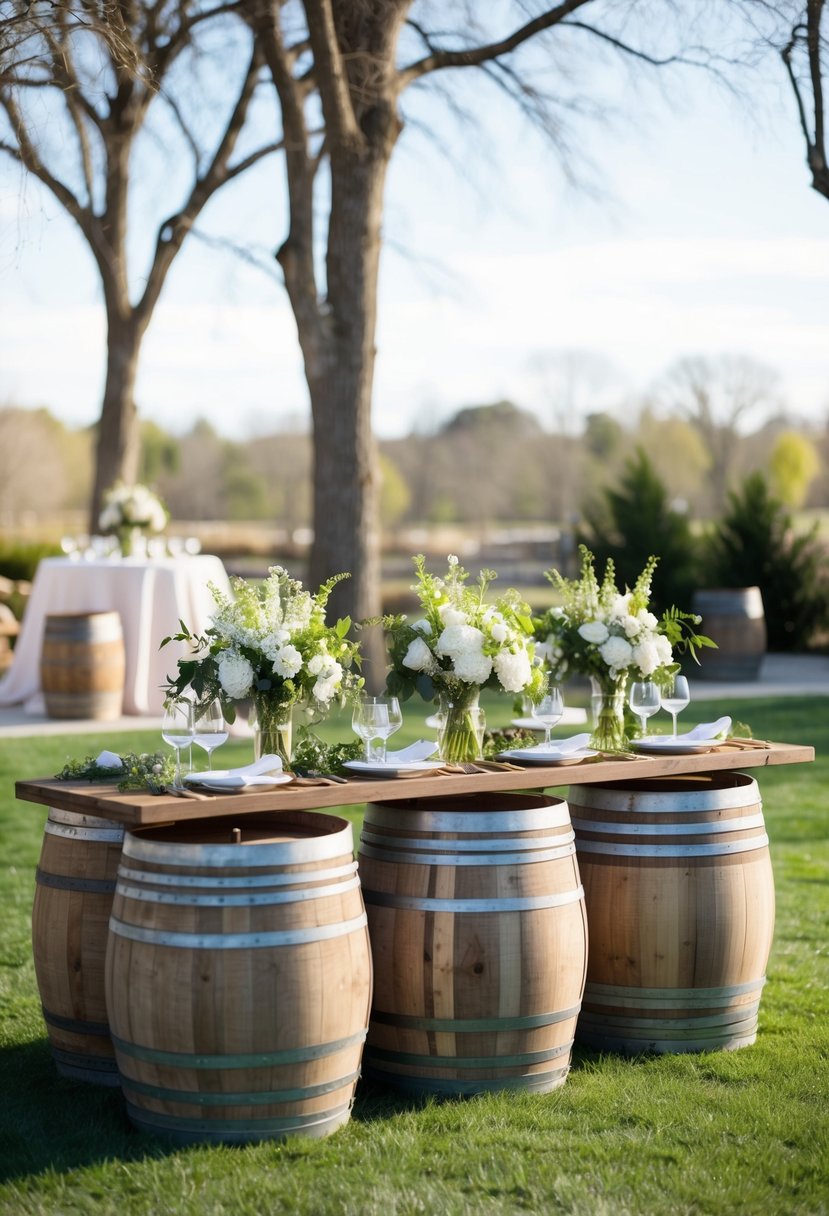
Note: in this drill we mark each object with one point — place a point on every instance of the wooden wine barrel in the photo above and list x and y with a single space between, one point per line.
680 908
238 977
70 919
82 665
477 925
734 618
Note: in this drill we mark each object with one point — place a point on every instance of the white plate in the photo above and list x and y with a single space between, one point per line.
370 768
543 755
675 747
228 782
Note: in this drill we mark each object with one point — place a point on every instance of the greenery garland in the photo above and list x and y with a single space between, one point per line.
136 772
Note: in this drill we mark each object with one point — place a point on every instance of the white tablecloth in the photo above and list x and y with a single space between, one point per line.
151 596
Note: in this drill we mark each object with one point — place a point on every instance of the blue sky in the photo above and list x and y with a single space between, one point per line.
704 238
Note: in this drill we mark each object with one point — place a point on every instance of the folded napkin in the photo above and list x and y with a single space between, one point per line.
109 760
708 730
564 746
265 765
421 750
232 780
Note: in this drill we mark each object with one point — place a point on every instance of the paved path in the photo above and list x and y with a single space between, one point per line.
780 676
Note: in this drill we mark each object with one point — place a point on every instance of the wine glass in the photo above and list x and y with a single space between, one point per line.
549 711
370 720
386 730
209 729
177 729
645 699
675 697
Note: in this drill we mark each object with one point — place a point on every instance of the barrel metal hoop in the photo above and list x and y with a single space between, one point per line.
224 1128
494 844
680 1028
658 802
678 850
671 829
251 1059
667 998
472 1025
223 881
556 815
236 941
493 1062
417 903
74 1024
213 856
79 819
631 1046
62 882
248 900
254 1098
483 859
70 832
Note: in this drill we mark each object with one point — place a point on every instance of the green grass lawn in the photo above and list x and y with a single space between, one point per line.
740 1132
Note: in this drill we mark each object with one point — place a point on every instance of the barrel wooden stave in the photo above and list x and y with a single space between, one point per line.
82 665
734 618
470 996
680 934
222 1035
70 920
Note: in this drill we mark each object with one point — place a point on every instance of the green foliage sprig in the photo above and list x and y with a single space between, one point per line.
137 770
314 754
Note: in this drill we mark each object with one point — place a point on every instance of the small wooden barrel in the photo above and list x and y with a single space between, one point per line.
70 918
82 665
478 932
733 617
238 977
680 908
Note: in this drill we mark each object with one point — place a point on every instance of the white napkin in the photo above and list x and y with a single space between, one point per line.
708 730
421 750
265 765
574 744
231 780
109 760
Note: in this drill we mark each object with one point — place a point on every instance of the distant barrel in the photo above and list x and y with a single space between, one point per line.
733 617
82 665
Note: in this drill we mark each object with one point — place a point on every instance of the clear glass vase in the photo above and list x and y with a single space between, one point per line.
608 705
461 726
272 730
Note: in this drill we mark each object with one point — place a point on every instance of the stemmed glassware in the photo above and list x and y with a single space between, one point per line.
548 711
645 699
177 729
375 719
675 696
209 729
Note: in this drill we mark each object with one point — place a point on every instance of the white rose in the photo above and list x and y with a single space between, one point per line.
235 674
649 620
594 631
422 626
616 652
513 670
418 657
499 632
287 662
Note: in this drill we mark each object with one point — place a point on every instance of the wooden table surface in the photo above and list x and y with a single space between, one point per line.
141 809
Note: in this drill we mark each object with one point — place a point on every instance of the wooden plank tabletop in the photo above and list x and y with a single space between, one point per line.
141 809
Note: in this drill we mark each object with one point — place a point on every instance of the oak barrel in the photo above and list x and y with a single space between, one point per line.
680 907
734 618
82 665
238 977
478 932
70 918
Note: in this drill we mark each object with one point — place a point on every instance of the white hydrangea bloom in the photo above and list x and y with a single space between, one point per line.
616 652
663 649
472 666
594 631
457 638
632 625
287 662
513 670
499 631
649 620
620 606
646 657
423 626
418 657
235 674
450 615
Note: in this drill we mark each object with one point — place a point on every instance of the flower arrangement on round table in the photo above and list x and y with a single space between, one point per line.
609 635
269 643
130 511
459 645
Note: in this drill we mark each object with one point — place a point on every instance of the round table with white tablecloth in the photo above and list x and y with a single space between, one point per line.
151 595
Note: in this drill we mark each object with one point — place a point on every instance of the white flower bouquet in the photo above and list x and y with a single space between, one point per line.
610 635
459 645
269 643
132 507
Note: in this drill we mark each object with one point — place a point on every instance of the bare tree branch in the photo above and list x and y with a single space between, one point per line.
329 71
812 122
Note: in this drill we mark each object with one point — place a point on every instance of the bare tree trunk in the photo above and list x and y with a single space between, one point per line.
346 531
118 448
